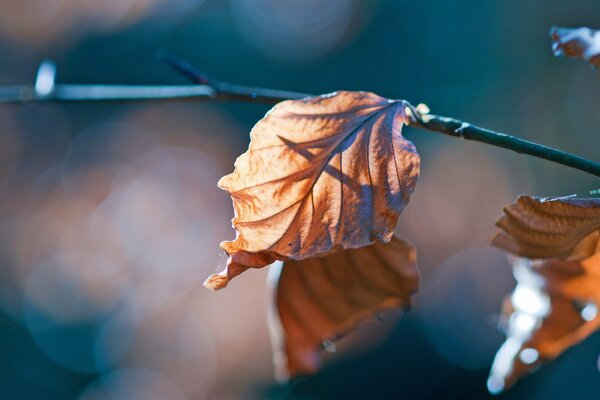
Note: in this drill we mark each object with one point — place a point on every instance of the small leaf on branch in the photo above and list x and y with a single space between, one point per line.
582 43
318 300
322 173
555 304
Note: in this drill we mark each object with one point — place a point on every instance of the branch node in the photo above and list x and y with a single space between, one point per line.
413 113
186 69
422 108
461 129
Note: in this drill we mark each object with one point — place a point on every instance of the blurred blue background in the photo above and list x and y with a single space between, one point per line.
110 218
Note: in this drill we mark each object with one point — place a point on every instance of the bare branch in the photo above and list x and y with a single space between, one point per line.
208 88
445 125
46 89
228 91
454 127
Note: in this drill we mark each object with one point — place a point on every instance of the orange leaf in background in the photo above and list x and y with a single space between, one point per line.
318 300
534 227
322 173
582 43
555 304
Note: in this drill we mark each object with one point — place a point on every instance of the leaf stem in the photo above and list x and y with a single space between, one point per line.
208 88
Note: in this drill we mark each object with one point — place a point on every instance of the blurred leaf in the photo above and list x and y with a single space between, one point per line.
322 173
555 304
582 43
318 300
534 227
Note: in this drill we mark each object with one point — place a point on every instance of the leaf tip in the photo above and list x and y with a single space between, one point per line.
216 282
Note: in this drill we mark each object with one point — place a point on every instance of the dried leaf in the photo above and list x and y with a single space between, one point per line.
322 173
582 43
540 228
317 300
555 303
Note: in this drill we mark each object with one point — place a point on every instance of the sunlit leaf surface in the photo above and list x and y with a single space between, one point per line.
322 173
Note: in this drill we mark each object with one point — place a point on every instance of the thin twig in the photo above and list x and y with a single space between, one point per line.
208 88
46 89
454 127
228 91
447 126
97 93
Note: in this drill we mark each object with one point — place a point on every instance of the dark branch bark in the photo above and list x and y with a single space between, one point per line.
453 127
206 87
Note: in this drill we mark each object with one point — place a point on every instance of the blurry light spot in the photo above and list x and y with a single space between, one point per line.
529 356
109 246
458 304
530 300
179 345
38 22
521 324
525 275
452 196
114 338
58 295
132 384
495 384
44 82
329 346
293 29
589 312
107 143
503 365
164 218
66 344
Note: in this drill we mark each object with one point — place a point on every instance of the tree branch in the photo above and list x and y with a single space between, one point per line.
46 89
206 87
454 127
447 126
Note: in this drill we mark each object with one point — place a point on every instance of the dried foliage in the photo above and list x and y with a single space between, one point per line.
582 43
317 300
555 303
322 173
321 187
540 228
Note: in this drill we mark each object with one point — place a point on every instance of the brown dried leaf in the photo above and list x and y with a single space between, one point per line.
555 304
582 43
318 300
326 172
535 227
